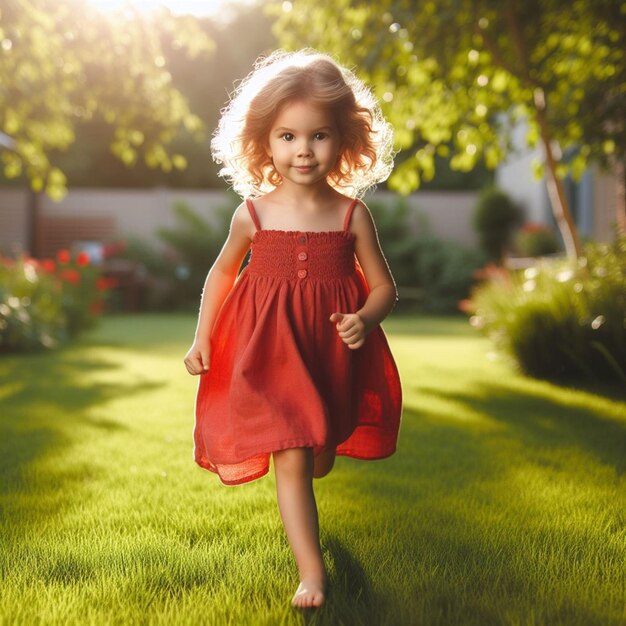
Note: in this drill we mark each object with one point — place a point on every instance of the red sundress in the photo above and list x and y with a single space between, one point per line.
280 376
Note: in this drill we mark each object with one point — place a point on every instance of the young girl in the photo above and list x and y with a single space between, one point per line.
293 361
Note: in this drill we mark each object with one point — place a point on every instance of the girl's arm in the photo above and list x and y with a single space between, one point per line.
383 294
218 283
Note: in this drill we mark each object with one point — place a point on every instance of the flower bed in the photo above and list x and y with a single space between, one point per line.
44 303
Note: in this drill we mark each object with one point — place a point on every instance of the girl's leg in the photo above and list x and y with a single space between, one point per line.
323 462
296 502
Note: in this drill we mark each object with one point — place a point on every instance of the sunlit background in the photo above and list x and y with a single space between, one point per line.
200 8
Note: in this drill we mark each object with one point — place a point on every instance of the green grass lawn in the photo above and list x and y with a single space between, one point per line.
504 504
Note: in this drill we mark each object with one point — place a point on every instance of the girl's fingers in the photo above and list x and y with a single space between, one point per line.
354 339
205 361
195 364
346 334
190 368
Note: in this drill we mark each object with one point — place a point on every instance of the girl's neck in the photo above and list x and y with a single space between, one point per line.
302 196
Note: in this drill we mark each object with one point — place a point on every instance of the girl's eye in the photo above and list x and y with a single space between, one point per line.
320 136
288 137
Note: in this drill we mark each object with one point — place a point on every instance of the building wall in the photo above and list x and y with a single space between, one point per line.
514 175
13 221
593 199
140 212
604 197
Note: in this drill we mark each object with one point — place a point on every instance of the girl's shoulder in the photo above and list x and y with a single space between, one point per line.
360 211
242 220
361 221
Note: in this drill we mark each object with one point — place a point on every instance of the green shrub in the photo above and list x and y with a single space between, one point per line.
440 271
195 243
445 272
174 276
45 303
398 242
494 219
534 239
559 319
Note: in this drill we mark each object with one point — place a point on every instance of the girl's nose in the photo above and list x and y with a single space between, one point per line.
304 148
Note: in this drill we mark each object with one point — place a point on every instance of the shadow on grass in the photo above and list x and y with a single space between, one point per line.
350 598
450 530
45 401
436 452
541 421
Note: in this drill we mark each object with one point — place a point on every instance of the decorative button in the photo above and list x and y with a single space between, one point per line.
302 239
302 256
302 273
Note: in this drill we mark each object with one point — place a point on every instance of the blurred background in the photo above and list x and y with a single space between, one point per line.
509 126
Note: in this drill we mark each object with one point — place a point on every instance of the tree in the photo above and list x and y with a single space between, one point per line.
205 81
455 75
62 63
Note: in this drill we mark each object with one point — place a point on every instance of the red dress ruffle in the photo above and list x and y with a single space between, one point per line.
280 376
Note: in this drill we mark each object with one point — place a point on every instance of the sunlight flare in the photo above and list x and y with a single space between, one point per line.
179 7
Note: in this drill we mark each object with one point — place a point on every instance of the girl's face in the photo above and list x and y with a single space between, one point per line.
304 143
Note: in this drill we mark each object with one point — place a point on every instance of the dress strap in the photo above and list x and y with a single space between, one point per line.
346 222
253 214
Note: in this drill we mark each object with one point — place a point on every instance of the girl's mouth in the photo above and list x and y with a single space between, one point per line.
304 168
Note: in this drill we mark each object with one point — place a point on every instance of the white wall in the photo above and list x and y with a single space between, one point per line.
604 192
13 220
141 212
514 175
449 212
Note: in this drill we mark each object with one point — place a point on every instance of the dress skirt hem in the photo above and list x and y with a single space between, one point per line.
263 458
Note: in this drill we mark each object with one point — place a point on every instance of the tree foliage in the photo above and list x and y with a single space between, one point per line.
206 82
63 63
451 75
456 75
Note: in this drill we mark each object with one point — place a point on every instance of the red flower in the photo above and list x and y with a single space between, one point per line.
106 283
466 305
491 271
64 256
533 227
48 266
71 276
82 259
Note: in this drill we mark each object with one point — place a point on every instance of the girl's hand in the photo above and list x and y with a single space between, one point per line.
351 329
198 358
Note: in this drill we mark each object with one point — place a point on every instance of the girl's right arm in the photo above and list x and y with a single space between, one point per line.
218 283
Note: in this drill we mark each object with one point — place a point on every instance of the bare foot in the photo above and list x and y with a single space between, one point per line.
310 593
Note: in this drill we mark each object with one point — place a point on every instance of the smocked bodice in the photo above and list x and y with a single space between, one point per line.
302 255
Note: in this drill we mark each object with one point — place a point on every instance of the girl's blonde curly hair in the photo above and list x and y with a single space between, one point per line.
241 138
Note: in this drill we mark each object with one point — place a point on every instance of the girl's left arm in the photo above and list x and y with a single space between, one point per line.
383 292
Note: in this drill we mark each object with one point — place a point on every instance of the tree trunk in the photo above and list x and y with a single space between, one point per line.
619 172
560 206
